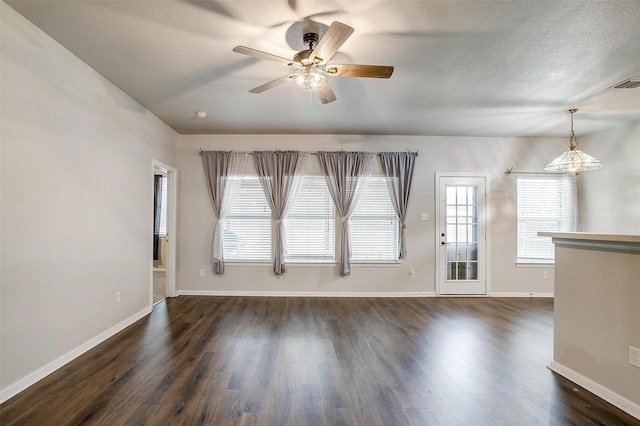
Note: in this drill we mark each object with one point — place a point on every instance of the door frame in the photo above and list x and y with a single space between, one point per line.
487 221
172 227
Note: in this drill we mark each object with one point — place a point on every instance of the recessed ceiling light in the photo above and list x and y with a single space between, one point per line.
201 114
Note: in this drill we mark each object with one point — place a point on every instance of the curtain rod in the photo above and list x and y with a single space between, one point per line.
511 172
316 152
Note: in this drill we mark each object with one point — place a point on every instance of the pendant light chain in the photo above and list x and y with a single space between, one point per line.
573 141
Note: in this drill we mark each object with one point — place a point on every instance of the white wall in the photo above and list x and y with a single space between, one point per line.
436 154
597 317
77 203
76 185
610 196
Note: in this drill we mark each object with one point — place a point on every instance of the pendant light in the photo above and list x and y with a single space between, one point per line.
574 160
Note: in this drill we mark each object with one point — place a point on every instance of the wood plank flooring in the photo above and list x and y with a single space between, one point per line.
320 361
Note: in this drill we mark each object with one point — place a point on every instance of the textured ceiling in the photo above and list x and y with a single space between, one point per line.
477 68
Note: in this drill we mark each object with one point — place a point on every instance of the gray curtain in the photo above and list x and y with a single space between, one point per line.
398 169
347 176
280 174
223 171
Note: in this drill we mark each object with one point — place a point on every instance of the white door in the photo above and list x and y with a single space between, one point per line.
461 237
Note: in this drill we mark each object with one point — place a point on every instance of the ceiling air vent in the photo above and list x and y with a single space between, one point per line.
632 83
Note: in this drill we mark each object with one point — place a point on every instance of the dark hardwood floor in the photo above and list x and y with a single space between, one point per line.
320 361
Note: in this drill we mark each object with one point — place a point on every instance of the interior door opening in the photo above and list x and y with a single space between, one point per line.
159 236
164 234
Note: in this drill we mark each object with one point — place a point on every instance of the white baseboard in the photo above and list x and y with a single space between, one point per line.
17 387
303 293
340 294
504 294
597 389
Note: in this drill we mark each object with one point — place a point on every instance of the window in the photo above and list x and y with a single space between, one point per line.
309 228
374 225
246 230
543 204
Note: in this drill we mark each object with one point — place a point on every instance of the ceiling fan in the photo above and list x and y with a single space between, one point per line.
310 68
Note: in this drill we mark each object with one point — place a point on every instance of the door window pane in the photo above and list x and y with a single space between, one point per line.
462 232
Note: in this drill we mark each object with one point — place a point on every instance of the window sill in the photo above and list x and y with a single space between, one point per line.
535 265
372 264
249 264
270 263
310 264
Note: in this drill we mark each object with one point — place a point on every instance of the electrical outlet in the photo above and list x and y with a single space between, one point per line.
117 297
634 356
424 216
202 272
412 273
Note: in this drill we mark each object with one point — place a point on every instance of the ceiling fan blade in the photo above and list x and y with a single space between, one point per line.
271 84
262 55
326 94
353 70
329 44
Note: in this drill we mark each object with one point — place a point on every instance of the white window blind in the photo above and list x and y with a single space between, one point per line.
246 230
539 208
163 207
374 225
310 226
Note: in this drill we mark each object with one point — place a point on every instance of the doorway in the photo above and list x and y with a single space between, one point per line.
461 234
164 232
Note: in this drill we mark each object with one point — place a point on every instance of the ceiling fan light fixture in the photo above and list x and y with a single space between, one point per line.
573 160
311 78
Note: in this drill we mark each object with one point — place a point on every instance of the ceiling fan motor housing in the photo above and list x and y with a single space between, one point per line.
311 39
302 57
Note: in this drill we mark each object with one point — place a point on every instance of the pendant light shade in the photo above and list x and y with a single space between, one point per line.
573 160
